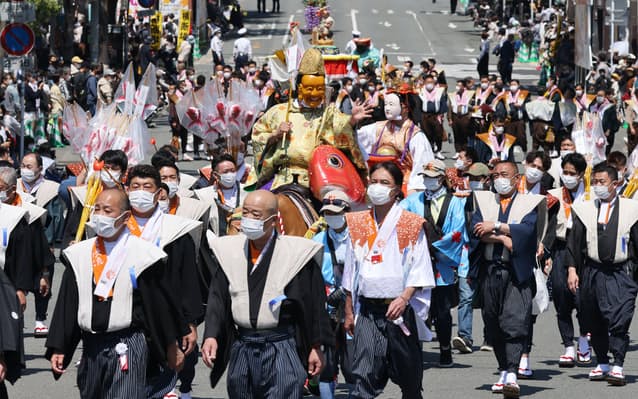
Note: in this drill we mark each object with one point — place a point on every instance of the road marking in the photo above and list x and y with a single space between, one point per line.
451 25
393 46
298 11
416 19
385 23
375 11
390 12
284 40
469 50
353 17
273 26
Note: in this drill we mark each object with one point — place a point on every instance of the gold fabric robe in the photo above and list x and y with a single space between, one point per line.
310 128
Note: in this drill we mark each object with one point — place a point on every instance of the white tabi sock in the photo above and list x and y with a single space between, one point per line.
501 379
570 351
524 363
583 344
511 378
617 369
603 367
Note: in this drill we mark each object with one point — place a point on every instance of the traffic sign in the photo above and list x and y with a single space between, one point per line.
17 39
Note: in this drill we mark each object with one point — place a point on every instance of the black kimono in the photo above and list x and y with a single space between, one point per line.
154 313
303 309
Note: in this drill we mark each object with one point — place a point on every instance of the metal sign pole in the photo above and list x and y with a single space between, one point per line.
22 87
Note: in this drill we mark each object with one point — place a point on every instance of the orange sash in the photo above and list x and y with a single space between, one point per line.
99 259
134 227
173 205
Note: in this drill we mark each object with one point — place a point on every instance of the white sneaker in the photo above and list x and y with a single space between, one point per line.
440 156
456 156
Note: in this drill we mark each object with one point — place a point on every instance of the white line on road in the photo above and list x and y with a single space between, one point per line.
416 19
375 11
451 25
353 17
273 26
385 23
284 41
469 50
390 12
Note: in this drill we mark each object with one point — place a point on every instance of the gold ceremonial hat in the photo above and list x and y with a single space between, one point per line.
312 63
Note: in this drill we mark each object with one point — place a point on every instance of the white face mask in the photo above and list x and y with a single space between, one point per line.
499 129
372 89
335 222
106 179
533 175
514 89
348 89
164 205
432 184
484 86
227 179
600 99
459 164
3 196
564 153
362 82
173 187
579 93
253 229
104 226
429 86
227 75
379 194
503 185
27 175
569 181
476 185
142 201
252 70
602 192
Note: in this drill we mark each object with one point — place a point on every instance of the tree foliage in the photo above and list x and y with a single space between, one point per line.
45 10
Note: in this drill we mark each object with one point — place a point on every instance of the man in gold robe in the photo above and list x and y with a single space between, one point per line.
284 137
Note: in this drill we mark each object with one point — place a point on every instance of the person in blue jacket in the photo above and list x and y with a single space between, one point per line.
334 238
447 233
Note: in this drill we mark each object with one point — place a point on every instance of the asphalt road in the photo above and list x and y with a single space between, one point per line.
414 30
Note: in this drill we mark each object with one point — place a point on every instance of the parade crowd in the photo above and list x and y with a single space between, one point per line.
333 238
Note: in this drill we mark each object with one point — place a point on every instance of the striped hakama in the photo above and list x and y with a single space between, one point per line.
99 372
265 364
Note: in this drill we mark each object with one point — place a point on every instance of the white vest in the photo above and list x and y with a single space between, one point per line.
10 216
587 212
289 256
140 255
46 192
521 205
438 93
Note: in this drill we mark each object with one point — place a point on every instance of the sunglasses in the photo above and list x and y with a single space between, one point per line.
336 201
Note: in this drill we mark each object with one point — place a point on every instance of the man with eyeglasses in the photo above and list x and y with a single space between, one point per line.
268 302
605 272
334 238
179 238
501 222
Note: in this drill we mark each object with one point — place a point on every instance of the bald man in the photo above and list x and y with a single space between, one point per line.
109 296
267 300
503 221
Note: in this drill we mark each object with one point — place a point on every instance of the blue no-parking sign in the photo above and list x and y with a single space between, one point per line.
17 39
